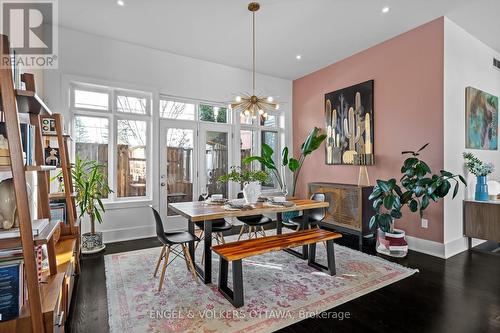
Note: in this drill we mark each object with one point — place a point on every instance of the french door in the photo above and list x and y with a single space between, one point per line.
192 157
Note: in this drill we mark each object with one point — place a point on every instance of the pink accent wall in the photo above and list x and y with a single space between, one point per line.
408 112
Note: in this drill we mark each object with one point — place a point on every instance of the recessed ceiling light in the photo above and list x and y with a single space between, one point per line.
120 3
298 57
386 9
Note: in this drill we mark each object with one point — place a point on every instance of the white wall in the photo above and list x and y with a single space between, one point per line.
89 58
467 62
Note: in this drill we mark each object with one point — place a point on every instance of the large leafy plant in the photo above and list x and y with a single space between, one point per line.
91 187
312 143
418 187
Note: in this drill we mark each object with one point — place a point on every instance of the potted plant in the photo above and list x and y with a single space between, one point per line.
312 142
481 170
90 186
418 187
250 180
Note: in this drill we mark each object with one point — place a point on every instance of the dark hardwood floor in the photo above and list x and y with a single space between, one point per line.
461 294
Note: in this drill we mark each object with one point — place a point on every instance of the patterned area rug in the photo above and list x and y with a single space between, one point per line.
279 290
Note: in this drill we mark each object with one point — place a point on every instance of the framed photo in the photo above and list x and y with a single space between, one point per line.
48 126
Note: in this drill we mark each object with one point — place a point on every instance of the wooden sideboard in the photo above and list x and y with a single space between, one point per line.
482 220
350 210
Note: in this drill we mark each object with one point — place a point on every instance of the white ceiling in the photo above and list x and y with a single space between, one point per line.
322 31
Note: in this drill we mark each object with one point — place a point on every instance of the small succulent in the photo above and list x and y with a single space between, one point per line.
477 167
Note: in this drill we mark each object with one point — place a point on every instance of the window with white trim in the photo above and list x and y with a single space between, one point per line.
112 127
256 131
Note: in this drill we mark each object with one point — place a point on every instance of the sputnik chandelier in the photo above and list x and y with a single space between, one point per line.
253 105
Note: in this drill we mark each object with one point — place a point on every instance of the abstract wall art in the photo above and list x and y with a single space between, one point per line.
481 120
349 125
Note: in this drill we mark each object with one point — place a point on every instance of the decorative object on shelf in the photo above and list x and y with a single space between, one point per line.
479 169
481 120
418 187
349 125
58 211
8 210
312 143
4 151
254 105
52 156
250 180
493 189
90 186
49 126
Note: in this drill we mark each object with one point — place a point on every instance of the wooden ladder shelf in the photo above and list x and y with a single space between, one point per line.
47 301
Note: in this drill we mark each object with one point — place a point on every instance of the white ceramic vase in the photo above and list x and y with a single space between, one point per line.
251 192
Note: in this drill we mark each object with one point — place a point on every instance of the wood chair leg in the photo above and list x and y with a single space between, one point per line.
221 235
255 232
241 231
263 231
165 263
200 237
250 228
190 261
159 260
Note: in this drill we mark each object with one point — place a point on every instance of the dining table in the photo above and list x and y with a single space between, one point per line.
200 211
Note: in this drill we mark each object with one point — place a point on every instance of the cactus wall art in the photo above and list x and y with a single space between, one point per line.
349 125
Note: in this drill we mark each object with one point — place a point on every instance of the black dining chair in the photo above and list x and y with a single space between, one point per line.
252 223
314 216
171 240
218 227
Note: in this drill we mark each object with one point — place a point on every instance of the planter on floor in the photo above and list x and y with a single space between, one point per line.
392 243
92 243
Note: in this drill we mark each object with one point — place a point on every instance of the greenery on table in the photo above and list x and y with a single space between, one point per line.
477 167
312 143
91 186
242 176
418 187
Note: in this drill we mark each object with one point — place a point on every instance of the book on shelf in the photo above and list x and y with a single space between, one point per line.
27 141
12 292
37 226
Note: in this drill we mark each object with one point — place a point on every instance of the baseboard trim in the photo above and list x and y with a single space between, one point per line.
426 246
125 234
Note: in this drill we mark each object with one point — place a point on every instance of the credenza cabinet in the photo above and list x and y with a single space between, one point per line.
350 210
482 220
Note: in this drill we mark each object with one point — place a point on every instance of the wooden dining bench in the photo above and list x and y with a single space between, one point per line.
236 251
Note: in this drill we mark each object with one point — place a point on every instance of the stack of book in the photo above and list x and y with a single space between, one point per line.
28 142
37 225
12 292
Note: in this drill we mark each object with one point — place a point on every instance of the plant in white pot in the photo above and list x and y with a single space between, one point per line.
91 187
418 188
251 181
